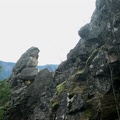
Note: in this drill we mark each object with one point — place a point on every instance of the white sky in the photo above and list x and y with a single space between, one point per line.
50 25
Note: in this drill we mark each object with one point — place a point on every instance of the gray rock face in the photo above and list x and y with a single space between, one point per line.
23 74
25 68
94 58
29 73
33 101
85 86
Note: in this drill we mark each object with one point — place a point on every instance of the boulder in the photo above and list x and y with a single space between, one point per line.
25 68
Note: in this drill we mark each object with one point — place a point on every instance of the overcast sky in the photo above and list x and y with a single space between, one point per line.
50 25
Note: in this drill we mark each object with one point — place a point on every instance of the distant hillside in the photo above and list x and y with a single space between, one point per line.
6 69
8 66
51 67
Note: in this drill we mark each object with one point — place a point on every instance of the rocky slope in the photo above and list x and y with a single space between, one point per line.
8 66
85 86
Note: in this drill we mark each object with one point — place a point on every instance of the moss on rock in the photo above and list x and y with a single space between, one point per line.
54 103
79 75
91 57
60 88
88 113
78 89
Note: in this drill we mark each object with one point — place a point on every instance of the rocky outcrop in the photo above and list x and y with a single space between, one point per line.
35 102
25 68
23 74
31 89
85 86
91 72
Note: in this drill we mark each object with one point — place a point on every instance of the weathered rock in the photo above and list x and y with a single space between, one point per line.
29 73
23 74
25 68
95 59
85 86
33 102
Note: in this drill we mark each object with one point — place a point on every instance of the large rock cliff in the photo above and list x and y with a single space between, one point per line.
85 86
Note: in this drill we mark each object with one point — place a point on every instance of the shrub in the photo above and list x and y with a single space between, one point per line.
5 94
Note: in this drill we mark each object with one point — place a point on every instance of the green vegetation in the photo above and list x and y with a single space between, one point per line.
90 58
1 113
79 75
60 88
89 113
78 89
5 94
80 72
55 100
118 14
54 103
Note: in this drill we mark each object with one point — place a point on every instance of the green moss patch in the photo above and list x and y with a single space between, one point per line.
2 112
91 57
79 75
54 103
60 88
80 72
88 113
78 89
